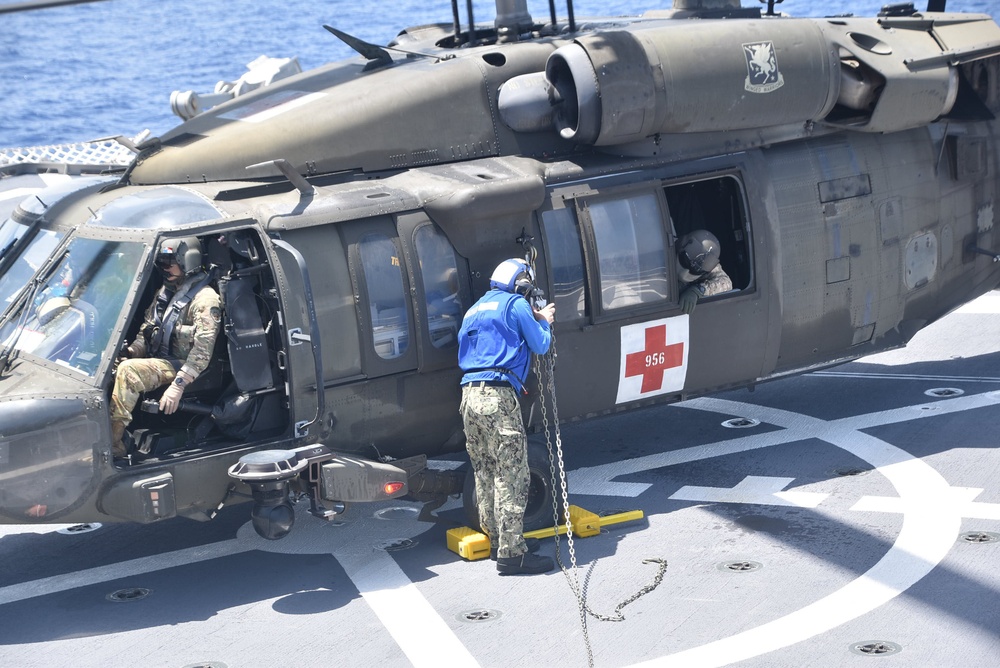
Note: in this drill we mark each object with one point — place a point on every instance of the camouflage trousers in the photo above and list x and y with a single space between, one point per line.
135 376
498 450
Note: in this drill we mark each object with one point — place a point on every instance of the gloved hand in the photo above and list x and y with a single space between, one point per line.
129 351
689 298
171 398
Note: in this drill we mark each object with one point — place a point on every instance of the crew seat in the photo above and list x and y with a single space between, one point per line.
243 340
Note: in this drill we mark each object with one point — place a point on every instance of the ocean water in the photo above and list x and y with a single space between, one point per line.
81 72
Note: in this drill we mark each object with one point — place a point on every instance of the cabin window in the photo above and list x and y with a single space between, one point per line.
565 254
386 295
439 271
717 205
631 250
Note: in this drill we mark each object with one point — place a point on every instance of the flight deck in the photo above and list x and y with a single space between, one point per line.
846 517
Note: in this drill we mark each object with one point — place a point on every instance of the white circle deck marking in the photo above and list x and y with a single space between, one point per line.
932 512
931 522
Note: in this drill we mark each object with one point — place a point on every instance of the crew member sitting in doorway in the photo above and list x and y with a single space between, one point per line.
176 340
698 268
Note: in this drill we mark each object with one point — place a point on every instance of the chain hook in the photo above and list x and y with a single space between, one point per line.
530 252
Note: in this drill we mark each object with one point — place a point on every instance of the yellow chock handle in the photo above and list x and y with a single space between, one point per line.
473 545
585 523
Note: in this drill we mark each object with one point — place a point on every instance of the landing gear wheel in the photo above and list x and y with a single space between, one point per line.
538 512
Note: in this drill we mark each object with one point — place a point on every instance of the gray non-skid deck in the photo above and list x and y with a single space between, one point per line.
846 520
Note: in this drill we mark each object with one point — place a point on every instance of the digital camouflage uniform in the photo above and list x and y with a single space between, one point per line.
498 450
714 282
498 335
191 348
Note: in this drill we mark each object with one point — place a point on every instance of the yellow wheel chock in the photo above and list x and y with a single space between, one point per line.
473 545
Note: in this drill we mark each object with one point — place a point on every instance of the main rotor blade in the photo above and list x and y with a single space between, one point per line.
39 4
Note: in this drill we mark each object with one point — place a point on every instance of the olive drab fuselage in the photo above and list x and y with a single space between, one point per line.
847 167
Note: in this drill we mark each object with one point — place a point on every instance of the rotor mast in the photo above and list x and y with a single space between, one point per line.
512 19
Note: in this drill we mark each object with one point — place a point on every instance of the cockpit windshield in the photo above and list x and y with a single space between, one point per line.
68 313
11 232
159 207
21 253
28 261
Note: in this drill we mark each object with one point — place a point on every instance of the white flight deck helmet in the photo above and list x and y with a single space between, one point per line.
697 254
513 275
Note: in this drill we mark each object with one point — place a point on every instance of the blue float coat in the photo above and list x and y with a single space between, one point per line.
497 333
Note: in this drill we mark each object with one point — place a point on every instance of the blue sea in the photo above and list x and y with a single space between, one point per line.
80 72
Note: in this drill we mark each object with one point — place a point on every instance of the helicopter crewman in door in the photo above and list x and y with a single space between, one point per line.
698 268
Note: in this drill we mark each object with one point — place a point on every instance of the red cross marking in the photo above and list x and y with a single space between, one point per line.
655 359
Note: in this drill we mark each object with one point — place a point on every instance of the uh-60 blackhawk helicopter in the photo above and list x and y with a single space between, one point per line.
352 213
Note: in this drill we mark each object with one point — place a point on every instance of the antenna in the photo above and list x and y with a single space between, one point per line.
296 179
472 22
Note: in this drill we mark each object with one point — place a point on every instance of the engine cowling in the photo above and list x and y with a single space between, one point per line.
621 86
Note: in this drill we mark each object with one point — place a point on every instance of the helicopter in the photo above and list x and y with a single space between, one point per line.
350 215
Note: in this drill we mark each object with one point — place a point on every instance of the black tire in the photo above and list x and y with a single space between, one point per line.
538 513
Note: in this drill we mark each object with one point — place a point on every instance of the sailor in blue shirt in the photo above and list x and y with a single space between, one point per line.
496 340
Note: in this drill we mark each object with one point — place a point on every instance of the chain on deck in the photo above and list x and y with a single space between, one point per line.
545 371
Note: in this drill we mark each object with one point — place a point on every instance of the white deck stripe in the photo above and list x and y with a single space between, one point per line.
752 489
988 303
905 376
122 569
414 624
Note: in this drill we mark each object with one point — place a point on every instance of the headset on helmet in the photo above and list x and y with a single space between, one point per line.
185 251
698 252
513 275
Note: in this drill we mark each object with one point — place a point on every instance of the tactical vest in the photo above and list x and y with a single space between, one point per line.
166 313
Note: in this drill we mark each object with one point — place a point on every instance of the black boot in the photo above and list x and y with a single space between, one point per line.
532 544
524 564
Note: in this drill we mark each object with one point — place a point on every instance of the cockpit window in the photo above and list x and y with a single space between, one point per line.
70 313
19 261
11 232
28 261
160 207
